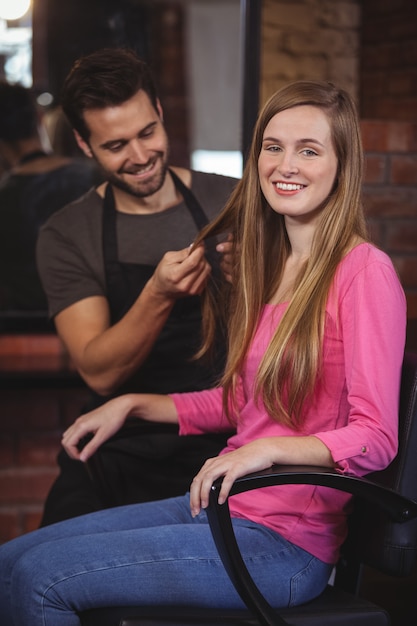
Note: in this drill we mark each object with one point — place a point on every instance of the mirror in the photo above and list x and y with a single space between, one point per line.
204 55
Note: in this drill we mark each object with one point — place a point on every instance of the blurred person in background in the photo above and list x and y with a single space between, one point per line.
35 184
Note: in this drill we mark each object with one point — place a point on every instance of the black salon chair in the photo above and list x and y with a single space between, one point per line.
382 535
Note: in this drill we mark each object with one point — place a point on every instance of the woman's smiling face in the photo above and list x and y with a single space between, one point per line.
297 164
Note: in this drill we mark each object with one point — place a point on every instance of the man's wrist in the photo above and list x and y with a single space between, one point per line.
158 296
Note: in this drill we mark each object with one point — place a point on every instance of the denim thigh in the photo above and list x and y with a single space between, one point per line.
145 554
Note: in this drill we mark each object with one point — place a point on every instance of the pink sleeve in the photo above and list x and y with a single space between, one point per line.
200 412
372 317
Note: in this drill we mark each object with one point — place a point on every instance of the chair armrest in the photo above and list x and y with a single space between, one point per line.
399 508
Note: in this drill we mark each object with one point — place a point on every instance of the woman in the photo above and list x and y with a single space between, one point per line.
316 339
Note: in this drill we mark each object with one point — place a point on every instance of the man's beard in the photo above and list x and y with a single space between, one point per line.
145 189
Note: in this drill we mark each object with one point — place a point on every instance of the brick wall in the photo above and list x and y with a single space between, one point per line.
388 104
390 196
39 395
310 39
388 71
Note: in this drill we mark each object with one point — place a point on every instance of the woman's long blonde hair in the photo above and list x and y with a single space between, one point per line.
290 366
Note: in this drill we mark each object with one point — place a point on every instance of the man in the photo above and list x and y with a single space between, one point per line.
122 284
36 183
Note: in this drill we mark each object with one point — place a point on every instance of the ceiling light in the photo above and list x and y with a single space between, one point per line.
13 9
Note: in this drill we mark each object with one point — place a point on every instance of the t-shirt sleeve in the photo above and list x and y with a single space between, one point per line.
66 274
372 315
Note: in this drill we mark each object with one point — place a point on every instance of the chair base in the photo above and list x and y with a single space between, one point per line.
332 608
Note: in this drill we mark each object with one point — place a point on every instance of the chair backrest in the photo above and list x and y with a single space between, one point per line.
388 546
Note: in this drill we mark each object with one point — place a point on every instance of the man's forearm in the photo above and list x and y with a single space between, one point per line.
115 354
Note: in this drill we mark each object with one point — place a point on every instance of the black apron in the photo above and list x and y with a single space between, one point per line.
143 461
170 366
146 461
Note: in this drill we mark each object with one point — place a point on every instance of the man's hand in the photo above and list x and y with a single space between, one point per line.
181 273
106 355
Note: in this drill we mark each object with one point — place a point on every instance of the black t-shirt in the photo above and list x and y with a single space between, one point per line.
70 248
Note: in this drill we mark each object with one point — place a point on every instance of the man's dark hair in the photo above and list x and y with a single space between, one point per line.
104 78
18 112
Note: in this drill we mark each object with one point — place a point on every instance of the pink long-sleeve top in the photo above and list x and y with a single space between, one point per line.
353 411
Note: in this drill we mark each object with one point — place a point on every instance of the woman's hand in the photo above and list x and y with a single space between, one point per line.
252 457
107 419
102 423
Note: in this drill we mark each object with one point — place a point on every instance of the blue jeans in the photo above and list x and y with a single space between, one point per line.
153 553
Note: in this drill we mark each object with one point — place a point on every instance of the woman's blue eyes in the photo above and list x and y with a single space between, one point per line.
305 151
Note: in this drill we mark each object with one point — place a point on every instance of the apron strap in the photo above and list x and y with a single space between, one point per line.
116 279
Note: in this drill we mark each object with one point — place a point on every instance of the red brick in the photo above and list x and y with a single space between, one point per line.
402 237
402 136
375 168
409 56
407 269
389 108
385 202
9 524
403 83
374 135
372 84
7 450
411 337
376 232
388 21
389 136
31 409
26 485
404 169
389 201
30 344
31 519
379 57
38 450
403 26
411 304
16 521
